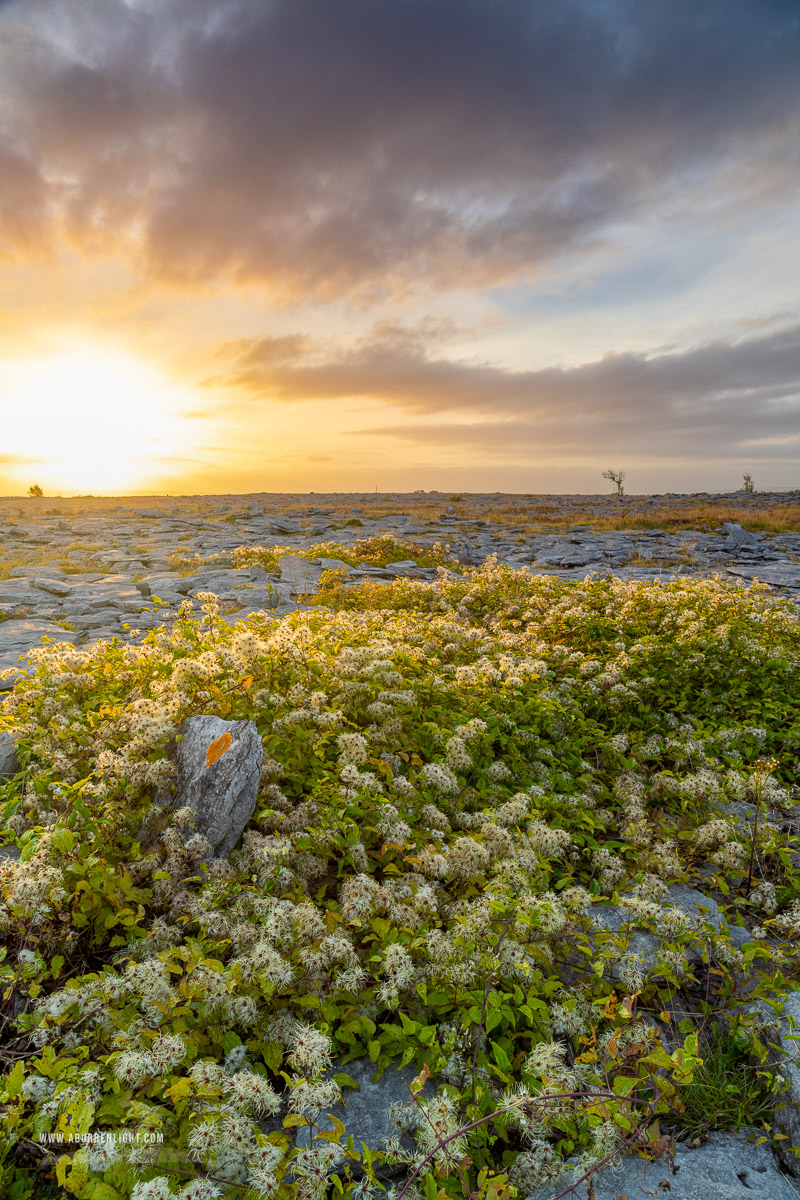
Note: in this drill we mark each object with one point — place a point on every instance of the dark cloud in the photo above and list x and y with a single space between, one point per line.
365 147
706 400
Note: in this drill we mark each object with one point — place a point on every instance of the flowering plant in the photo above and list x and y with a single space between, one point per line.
460 778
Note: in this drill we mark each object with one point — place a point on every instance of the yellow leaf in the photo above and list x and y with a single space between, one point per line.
626 1007
180 1089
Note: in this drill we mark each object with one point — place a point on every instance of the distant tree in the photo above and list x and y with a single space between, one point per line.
35 490
747 483
617 478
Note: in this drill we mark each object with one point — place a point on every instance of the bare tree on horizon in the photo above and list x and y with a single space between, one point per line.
617 478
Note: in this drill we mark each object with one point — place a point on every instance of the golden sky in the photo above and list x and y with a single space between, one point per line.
301 246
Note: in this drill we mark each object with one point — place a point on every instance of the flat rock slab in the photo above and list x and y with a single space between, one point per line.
299 573
333 564
55 587
219 770
619 920
168 581
776 574
17 591
405 567
365 1112
726 1167
17 637
225 579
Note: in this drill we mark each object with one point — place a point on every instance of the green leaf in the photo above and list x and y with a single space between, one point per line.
345 1080
500 1057
61 1168
63 839
272 1054
690 1044
13 1083
101 1191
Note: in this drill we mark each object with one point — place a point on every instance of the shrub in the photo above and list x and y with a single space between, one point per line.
453 772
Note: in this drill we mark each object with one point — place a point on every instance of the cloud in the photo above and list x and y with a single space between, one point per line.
709 399
22 203
360 149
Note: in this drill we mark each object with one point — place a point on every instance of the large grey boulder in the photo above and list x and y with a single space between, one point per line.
729 1166
366 1110
219 770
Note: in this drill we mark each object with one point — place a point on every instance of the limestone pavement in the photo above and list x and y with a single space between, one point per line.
83 572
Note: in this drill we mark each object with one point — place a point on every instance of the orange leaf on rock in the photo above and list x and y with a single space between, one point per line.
216 750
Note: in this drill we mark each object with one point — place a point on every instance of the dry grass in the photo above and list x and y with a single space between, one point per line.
777 518
759 512
26 558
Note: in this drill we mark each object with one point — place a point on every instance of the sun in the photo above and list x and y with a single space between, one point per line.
91 419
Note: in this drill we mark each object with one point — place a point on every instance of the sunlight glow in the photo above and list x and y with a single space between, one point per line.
91 419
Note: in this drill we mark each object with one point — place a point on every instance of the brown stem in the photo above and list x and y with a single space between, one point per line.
497 1113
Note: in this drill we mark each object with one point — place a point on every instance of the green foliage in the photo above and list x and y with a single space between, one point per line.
730 1090
376 551
454 771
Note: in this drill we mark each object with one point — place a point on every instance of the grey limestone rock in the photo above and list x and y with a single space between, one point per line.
219 782
56 587
301 574
19 636
365 1112
17 591
698 908
786 1059
740 539
570 554
9 764
729 1166
783 575
334 564
406 566
226 580
165 581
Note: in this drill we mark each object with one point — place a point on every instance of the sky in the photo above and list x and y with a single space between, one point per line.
480 245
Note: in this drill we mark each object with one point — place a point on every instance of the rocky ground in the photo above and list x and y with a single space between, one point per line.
87 569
